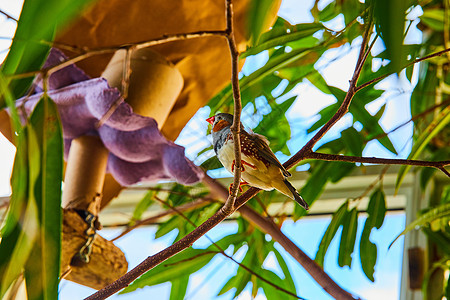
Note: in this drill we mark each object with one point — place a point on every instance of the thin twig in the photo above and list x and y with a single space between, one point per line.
372 185
185 207
343 109
376 160
87 53
439 53
236 127
429 110
445 171
8 16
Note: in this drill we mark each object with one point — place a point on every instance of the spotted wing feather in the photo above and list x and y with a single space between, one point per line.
265 152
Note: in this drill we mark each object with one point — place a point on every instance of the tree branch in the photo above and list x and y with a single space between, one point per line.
439 53
221 251
343 109
219 216
236 127
376 160
86 52
8 16
269 227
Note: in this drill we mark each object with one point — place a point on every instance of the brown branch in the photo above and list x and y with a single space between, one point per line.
372 185
236 127
268 226
87 53
445 171
221 251
376 160
343 109
439 53
425 112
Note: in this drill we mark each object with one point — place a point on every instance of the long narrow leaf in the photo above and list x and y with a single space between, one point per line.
28 228
336 221
348 238
42 269
433 214
439 123
367 249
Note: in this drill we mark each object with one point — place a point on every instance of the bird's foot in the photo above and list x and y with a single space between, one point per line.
243 162
240 188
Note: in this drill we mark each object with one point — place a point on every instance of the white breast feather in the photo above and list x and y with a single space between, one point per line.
260 177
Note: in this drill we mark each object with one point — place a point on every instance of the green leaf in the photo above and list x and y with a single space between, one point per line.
370 124
259 17
290 285
187 262
29 50
269 290
230 284
15 248
314 186
282 36
389 18
353 141
319 82
173 223
211 163
325 115
436 213
328 13
348 238
142 206
336 221
179 288
438 124
274 64
339 170
368 251
433 18
42 269
276 127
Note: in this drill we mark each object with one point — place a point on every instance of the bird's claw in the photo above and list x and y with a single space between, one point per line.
240 188
243 162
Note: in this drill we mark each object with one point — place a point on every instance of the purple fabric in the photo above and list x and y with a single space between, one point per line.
138 150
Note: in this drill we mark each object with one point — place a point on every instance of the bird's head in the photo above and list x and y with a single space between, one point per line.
220 121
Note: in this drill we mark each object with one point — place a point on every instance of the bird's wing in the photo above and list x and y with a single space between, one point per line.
265 152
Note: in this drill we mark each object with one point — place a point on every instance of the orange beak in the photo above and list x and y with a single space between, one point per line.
210 120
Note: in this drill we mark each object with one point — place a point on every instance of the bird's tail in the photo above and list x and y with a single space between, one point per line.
296 195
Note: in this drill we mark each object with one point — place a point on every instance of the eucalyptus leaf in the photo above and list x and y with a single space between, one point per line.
368 250
143 205
348 238
441 211
336 222
43 266
439 123
187 262
179 288
260 17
